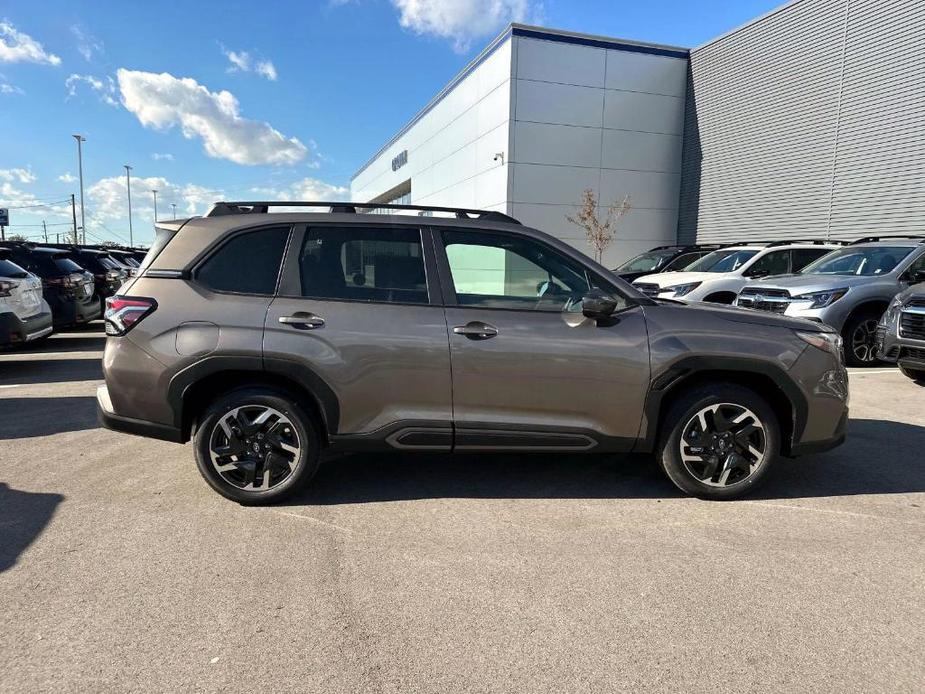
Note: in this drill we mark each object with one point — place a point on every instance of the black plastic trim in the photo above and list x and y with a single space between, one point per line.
139 427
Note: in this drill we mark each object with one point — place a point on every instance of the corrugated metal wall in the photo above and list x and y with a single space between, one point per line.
806 122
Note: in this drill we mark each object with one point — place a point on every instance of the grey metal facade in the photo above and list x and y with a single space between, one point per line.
808 122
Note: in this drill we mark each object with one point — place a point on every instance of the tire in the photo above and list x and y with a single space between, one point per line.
235 449
917 375
732 468
860 336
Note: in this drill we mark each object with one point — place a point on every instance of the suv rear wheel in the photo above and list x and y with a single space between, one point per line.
719 442
256 446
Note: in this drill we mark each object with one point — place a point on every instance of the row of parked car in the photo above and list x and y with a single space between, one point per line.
865 289
53 287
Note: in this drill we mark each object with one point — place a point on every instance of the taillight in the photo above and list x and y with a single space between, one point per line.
125 312
6 288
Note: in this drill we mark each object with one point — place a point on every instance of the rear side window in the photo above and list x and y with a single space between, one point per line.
804 256
247 263
364 264
682 261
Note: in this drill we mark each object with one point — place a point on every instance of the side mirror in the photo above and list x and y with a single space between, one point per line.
914 276
598 304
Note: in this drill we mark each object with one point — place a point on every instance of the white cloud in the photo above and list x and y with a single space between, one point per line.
21 175
157 156
67 177
17 47
105 88
462 21
242 61
87 44
110 201
7 88
305 189
163 101
14 198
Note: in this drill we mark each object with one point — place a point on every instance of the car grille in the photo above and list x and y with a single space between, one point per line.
773 300
912 323
913 354
647 289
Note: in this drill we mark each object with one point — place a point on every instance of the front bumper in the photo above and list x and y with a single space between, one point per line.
17 331
110 420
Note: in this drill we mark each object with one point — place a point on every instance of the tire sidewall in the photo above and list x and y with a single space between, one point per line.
306 465
680 414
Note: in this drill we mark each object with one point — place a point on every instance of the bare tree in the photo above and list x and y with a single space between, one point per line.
600 234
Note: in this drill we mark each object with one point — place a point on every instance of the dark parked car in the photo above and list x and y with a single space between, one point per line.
662 259
108 275
267 337
67 287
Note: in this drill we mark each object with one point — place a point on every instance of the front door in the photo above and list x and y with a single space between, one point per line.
529 371
358 314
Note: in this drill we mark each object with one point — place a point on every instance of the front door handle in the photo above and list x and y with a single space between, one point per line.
305 321
476 330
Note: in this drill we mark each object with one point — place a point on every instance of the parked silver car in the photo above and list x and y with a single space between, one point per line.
901 334
848 289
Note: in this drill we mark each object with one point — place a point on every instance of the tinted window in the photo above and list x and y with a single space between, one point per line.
8 269
804 256
682 261
646 262
773 263
500 271
364 264
66 265
246 264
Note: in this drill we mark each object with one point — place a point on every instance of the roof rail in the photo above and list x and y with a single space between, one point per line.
687 246
872 239
222 208
814 242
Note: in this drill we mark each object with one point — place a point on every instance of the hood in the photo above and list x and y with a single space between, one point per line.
804 284
916 291
734 314
670 279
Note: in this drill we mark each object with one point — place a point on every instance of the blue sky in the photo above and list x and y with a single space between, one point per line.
242 99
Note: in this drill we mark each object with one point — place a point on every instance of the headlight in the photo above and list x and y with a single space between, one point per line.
827 342
822 299
680 289
892 313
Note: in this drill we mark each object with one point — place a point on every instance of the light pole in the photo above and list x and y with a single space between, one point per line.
155 205
80 171
128 187
174 206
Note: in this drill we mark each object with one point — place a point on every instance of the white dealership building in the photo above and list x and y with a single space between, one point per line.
805 123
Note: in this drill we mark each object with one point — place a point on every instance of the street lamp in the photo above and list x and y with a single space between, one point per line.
80 170
155 205
174 206
128 187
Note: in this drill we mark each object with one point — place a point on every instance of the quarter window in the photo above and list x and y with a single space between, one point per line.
499 271
804 256
364 264
247 264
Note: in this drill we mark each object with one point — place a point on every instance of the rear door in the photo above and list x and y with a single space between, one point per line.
360 316
529 371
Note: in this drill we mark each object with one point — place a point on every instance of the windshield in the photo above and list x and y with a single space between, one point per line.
644 262
862 261
726 260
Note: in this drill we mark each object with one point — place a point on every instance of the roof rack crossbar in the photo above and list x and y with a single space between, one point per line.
881 237
222 208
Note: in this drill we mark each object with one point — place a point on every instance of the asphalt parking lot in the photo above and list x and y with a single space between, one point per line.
121 570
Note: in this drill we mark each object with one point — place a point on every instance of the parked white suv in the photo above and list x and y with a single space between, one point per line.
721 275
24 314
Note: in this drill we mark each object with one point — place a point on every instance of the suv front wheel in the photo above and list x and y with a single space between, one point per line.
719 442
256 446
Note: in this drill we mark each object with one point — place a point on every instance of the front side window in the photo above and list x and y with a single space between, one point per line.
246 264
682 261
500 271
364 264
727 260
860 261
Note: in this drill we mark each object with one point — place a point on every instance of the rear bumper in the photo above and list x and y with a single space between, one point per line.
110 420
70 311
17 331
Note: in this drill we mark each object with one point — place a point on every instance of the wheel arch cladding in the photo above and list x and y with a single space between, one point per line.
194 388
767 381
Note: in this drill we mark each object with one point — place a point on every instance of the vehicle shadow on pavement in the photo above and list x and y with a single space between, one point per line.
78 342
23 517
30 371
880 457
22 418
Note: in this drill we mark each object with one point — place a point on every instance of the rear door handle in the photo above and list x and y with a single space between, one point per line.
305 321
476 330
